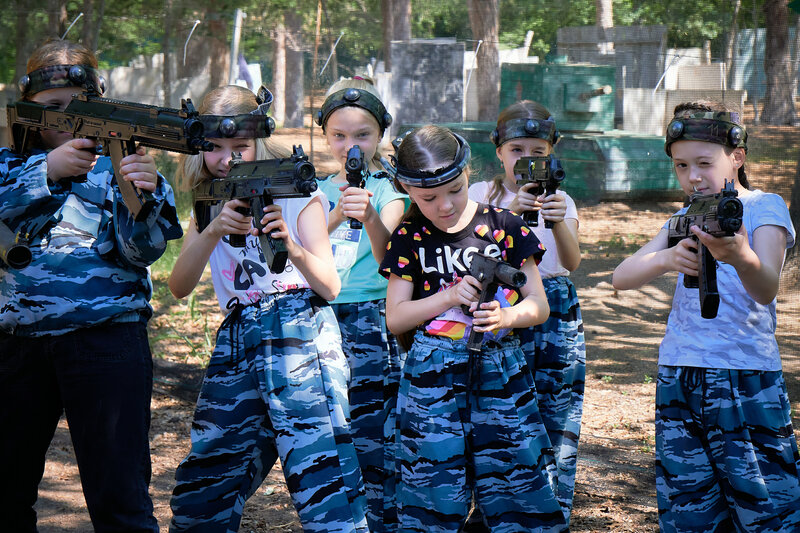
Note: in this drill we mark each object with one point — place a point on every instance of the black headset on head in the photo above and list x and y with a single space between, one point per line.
526 128
55 76
247 125
358 98
433 178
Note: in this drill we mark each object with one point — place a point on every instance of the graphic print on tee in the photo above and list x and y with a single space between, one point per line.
433 260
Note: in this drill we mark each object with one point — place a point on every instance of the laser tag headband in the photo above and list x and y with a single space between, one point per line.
720 127
248 125
526 127
358 98
433 178
56 76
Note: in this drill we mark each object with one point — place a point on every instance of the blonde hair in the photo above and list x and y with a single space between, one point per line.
521 109
226 100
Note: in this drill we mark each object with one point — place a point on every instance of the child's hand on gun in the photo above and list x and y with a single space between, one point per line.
553 207
729 250
465 293
230 221
75 157
525 200
140 168
354 202
683 257
488 318
274 225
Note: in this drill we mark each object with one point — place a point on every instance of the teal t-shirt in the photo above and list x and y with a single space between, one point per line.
352 253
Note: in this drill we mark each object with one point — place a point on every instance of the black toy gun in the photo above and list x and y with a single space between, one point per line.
356 171
719 215
491 272
14 251
258 183
546 173
118 126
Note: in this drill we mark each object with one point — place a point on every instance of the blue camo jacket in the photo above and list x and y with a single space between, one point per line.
90 266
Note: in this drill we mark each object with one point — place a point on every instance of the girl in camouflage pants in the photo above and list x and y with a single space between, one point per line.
276 385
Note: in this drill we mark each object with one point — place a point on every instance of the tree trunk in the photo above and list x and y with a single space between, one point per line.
794 210
388 34
295 93
92 20
21 40
57 17
218 52
604 19
401 20
729 56
795 50
483 17
279 74
166 50
778 103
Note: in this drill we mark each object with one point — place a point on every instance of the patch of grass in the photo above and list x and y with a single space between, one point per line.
606 379
648 378
619 243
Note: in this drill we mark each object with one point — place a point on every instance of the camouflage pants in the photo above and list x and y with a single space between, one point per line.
374 360
276 386
556 354
496 447
726 455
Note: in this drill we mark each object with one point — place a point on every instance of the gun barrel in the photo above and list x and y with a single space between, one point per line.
13 253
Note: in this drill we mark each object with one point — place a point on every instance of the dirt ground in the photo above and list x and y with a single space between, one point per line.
615 486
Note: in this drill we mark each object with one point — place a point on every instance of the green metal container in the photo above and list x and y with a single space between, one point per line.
614 165
580 97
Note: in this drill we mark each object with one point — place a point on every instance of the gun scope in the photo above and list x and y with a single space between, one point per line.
730 212
304 171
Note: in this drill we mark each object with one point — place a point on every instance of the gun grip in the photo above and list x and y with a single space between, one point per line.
531 218
239 240
275 252
139 203
709 295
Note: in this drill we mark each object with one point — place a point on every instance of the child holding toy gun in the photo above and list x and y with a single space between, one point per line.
494 447
73 322
364 208
726 455
555 350
276 384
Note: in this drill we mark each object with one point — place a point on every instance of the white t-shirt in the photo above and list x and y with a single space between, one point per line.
550 266
240 272
742 336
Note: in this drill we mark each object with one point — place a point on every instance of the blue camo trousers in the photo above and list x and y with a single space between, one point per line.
374 358
276 386
556 354
501 440
726 455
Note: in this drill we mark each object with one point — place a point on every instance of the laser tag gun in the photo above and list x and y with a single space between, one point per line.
719 215
258 183
491 272
546 173
356 169
118 126
14 251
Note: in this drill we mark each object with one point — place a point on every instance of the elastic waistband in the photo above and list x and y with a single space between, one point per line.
33 330
557 280
437 341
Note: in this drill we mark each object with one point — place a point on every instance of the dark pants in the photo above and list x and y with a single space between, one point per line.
102 378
